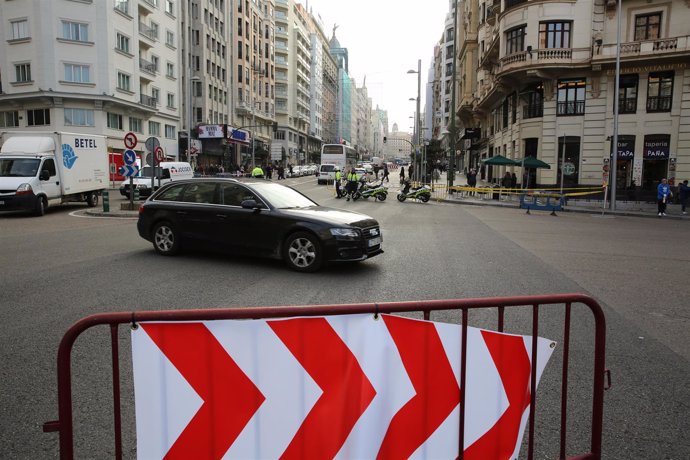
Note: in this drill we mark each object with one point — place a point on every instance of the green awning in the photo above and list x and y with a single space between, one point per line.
531 162
499 160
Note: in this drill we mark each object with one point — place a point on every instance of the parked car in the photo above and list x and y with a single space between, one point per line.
258 218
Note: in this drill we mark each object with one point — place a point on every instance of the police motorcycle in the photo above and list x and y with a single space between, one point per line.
422 193
373 189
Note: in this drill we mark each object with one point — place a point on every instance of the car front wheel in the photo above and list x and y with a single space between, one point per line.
165 239
303 252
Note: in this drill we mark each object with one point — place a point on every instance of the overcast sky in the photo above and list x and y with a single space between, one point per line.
385 39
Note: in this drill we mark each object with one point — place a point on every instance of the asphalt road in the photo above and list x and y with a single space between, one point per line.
64 266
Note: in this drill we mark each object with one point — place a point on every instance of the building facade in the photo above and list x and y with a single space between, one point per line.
81 67
545 87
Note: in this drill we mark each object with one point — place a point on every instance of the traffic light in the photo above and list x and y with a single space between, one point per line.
384 139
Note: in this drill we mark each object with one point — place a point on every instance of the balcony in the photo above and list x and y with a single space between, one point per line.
545 58
148 101
532 111
243 108
570 108
147 66
148 31
662 47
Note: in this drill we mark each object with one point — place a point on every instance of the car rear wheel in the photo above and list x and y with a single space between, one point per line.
165 239
303 252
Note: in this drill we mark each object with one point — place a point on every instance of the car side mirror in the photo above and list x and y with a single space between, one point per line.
250 204
45 175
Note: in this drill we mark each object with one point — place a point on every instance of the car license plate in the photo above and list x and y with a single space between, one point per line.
374 241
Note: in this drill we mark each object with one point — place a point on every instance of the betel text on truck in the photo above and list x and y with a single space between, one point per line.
42 169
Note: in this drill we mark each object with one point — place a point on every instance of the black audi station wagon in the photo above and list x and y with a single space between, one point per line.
256 218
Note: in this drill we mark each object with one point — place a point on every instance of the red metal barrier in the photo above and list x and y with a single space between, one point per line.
64 425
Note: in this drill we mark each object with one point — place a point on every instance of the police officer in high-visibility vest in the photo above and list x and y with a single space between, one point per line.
338 178
257 172
352 183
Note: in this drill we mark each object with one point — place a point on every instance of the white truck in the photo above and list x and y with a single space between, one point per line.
166 171
42 169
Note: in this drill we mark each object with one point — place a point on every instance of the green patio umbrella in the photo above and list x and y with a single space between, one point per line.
499 160
531 162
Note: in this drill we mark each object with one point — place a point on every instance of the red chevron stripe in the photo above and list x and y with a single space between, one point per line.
437 390
346 390
513 365
230 398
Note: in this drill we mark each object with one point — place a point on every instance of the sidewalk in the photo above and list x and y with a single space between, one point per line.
623 208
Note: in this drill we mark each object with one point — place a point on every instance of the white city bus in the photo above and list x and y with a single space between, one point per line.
340 155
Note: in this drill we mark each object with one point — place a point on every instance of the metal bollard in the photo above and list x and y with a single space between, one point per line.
106 201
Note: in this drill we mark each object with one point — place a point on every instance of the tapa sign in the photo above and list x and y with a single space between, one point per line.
347 386
657 148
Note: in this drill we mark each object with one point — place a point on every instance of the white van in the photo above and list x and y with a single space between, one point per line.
166 171
326 173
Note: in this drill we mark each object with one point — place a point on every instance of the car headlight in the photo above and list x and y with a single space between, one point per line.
345 233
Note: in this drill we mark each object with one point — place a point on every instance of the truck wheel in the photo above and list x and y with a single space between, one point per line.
165 239
41 205
92 199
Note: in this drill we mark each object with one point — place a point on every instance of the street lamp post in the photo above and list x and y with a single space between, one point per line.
418 119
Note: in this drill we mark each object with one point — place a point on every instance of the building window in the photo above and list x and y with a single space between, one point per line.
170 70
38 117
170 38
122 43
79 117
155 95
170 7
20 29
22 72
154 128
239 73
77 73
171 101
535 102
515 40
571 97
75 31
554 34
627 93
170 131
136 125
122 5
123 81
9 119
647 26
115 121
659 92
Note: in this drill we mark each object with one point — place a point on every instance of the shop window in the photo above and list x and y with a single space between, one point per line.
568 160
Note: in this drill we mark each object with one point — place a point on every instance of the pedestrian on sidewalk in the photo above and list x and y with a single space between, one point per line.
402 174
385 173
472 180
684 193
663 194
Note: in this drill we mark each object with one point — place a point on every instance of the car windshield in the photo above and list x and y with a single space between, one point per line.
19 167
282 197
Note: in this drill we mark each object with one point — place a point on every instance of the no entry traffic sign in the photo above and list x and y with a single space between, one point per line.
130 140
160 154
